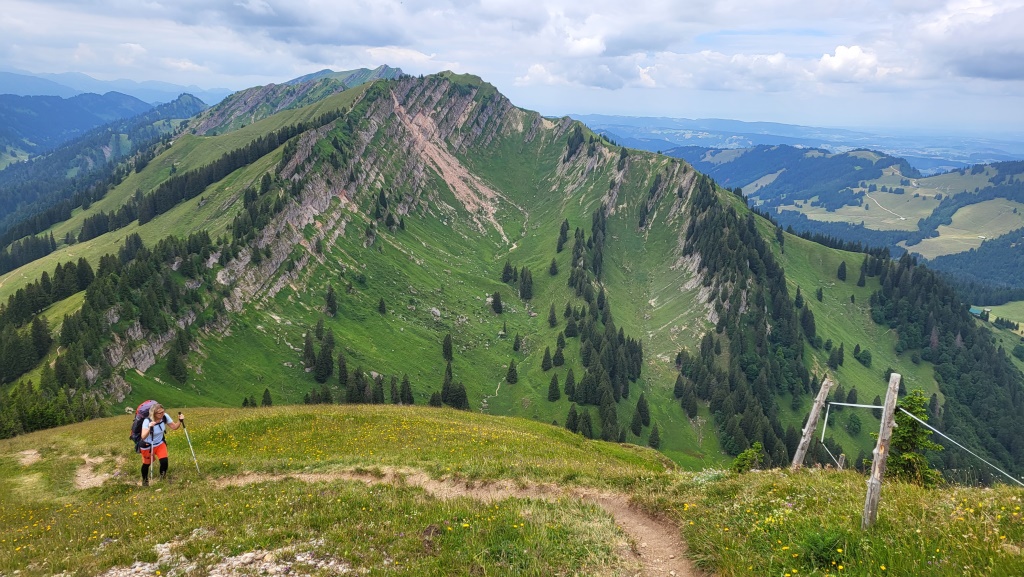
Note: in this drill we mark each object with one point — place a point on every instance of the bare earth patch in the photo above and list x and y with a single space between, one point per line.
28 457
657 546
86 475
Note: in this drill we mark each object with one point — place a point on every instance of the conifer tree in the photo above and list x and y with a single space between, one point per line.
517 343
636 426
570 385
654 441
267 401
677 390
552 317
331 301
446 348
558 359
435 400
378 390
323 366
554 393
176 367
525 284
496 303
406 393
841 273
643 410
308 353
342 370
545 364
396 397
798 302
319 330
572 419
553 269
382 307
512 376
586 427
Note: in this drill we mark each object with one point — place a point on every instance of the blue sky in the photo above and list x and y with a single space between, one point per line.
927 65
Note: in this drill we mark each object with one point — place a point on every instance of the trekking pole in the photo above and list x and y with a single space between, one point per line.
182 420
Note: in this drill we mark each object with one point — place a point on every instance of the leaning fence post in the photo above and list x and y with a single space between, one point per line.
812 424
880 454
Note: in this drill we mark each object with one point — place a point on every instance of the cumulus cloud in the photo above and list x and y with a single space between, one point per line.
852 64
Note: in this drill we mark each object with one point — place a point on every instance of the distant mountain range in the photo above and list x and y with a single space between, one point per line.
69 84
33 125
930 153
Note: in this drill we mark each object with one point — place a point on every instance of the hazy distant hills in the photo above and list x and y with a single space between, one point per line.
33 125
71 83
929 153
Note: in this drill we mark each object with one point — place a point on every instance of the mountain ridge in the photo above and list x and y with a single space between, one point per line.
363 201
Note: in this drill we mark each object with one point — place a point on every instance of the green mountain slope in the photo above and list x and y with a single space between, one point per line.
377 222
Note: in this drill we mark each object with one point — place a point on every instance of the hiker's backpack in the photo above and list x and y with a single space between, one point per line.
141 414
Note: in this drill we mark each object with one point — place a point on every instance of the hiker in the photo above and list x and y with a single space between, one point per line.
153 429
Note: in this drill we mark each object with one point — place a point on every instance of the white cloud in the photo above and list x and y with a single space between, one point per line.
852 64
128 53
539 74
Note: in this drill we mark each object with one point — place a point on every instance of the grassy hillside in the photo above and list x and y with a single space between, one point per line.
415 491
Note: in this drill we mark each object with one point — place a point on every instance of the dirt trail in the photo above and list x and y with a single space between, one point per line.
657 546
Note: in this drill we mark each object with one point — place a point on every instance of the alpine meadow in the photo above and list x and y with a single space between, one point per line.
417 330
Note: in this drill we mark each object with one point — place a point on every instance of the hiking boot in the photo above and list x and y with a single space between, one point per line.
145 482
165 479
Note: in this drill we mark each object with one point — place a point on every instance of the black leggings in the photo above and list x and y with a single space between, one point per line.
163 469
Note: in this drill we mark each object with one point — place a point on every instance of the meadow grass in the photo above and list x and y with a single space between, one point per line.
760 523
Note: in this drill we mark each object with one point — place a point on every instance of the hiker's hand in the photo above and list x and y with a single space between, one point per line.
181 417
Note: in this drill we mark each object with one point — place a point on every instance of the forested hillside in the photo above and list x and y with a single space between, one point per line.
44 191
425 241
34 125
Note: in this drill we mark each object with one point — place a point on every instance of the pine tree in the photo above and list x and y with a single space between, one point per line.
572 419
586 427
553 269
552 317
319 330
517 343
570 385
323 366
267 401
406 393
395 395
526 284
558 359
677 390
512 376
841 273
378 390
637 424
331 301
654 441
554 393
798 302
643 410
446 347
382 307
342 370
910 439
435 400
308 353
176 367
545 364
496 303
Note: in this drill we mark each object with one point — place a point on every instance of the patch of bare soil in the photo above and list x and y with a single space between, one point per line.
28 457
656 544
86 475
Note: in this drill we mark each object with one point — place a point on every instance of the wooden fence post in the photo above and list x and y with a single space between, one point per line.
812 424
880 454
